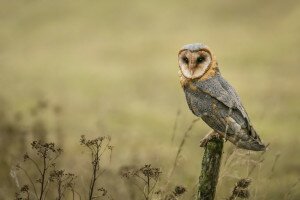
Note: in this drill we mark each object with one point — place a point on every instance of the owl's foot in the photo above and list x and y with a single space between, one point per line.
208 137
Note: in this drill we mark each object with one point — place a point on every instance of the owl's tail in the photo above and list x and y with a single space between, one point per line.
249 141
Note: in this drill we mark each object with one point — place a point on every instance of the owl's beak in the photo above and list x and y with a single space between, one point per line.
192 68
191 71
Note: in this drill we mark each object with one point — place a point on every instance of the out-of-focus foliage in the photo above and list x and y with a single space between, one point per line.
111 66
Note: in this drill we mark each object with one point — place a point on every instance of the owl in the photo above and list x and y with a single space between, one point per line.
212 98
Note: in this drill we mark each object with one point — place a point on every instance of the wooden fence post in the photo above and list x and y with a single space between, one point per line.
211 162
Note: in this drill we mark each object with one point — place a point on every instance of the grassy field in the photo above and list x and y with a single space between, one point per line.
112 67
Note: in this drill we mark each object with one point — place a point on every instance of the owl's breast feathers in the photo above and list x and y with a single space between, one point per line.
213 99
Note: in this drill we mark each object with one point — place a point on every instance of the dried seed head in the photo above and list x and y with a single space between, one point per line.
179 190
103 191
241 189
243 183
25 157
158 192
242 193
25 188
170 197
18 166
151 172
127 171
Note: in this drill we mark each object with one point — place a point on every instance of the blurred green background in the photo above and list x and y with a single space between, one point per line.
112 68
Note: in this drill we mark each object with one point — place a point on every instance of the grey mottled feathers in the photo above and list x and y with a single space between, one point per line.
194 47
212 100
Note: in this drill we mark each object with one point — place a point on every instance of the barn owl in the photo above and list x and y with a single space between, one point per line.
212 98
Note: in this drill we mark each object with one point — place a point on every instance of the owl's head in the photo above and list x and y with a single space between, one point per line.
195 60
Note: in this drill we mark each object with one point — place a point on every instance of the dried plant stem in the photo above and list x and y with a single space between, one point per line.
210 169
144 178
97 148
95 163
43 177
175 125
185 135
31 181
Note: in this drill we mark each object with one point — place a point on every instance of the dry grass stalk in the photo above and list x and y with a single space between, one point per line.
175 125
185 136
289 194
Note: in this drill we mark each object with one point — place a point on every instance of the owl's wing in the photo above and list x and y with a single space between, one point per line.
218 88
232 92
240 129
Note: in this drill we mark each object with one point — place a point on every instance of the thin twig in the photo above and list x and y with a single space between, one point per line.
175 126
31 182
36 165
185 135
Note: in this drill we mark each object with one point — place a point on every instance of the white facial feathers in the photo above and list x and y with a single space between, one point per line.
194 64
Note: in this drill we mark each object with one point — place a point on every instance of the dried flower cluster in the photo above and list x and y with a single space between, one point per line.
46 150
64 182
146 178
97 148
23 194
43 174
43 161
241 189
177 193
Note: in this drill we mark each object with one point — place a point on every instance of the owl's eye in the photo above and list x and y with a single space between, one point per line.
185 60
200 59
